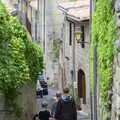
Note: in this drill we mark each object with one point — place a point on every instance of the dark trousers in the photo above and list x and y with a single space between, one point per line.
39 93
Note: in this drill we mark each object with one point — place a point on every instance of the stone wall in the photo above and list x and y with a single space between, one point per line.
2 110
115 114
116 90
82 62
27 101
52 32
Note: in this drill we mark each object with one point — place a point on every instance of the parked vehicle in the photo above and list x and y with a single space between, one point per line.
43 84
39 89
45 87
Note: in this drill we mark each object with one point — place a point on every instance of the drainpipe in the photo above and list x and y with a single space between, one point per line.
37 22
44 37
44 19
93 97
74 71
90 23
38 7
95 84
95 76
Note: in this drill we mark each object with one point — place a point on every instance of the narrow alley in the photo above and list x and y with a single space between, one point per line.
56 45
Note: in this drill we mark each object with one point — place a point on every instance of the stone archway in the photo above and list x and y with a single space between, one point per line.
81 85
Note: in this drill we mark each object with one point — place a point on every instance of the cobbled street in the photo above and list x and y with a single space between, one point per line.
50 98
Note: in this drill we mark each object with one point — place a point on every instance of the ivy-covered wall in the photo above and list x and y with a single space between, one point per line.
104 36
20 60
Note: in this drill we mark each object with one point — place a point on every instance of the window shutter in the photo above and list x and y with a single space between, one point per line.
82 37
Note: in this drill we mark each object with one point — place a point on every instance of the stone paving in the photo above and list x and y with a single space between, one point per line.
82 116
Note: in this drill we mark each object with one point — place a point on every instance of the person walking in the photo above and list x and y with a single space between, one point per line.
66 108
57 98
35 117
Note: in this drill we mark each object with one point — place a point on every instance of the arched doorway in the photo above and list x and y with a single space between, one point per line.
81 85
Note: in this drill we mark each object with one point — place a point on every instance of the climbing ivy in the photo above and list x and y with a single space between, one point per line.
20 60
103 36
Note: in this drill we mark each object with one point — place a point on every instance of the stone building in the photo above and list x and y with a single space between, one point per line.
34 19
44 24
74 52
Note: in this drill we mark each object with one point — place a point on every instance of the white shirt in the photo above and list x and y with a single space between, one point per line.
38 86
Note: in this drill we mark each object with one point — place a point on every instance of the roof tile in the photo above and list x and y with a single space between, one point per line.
69 5
79 9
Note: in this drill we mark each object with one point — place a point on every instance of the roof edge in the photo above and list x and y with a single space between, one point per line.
63 9
75 19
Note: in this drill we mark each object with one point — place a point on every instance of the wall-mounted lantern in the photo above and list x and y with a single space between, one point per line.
78 36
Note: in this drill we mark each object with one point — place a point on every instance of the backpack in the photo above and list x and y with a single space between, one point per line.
67 110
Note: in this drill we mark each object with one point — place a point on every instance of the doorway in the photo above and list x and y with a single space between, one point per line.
81 85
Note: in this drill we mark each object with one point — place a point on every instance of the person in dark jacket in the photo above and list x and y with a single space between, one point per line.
44 114
57 98
66 108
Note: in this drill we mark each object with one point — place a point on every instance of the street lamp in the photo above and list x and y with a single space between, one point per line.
78 36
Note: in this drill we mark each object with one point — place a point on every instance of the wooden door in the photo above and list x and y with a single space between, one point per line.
81 86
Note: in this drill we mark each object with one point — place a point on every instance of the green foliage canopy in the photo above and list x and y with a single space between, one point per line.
20 59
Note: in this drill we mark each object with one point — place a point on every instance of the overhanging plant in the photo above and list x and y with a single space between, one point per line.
20 60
